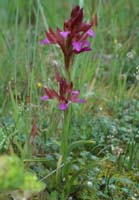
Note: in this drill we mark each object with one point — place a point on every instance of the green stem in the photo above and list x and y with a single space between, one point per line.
65 135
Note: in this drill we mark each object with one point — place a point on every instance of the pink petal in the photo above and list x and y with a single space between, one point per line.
81 100
45 41
74 97
64 34
91 33
63 106
86 44
80 46
44 98
76 92
77 45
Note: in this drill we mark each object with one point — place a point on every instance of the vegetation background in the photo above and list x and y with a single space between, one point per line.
108 77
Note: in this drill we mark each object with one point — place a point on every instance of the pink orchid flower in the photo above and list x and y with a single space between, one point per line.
73 39
65 95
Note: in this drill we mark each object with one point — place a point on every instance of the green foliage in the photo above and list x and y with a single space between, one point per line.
11 173
16 181
104 133
3 141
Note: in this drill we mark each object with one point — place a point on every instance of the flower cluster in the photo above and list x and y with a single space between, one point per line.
65 95
73 39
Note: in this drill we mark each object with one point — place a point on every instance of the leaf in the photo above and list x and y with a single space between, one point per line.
80 142
59 164
72 183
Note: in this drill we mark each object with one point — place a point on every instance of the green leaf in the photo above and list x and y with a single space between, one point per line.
80 142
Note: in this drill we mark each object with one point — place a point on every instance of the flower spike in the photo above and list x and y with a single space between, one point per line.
65 95
73 38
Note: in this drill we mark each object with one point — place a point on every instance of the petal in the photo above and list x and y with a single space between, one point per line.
76 92
76 100
63 106
69 88
62 87
64 34
51 93
77 45
91 33
85 27
86 44
51 36
58 75
80 46
76 18
44 98
74 96
45 41
81 100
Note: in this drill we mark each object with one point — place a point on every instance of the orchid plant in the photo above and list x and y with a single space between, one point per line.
73 39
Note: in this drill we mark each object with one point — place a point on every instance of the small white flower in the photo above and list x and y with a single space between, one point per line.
100 108
116 150
131 54
119 46
136 74
133 198
90 184
64 179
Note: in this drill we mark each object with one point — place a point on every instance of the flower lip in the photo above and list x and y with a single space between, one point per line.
77 45
64 34
80 46
44 98
91 33
63 106
81 100
45 41
76 92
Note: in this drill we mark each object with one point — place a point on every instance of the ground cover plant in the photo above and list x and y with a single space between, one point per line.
69 103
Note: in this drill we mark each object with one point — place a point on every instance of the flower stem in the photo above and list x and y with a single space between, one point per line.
65 134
